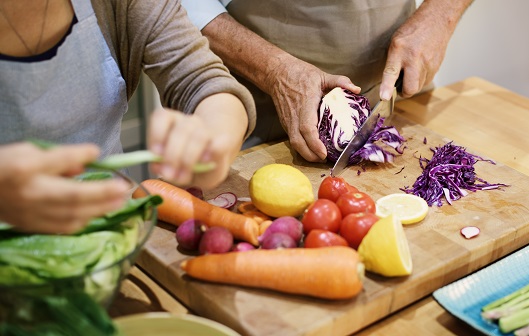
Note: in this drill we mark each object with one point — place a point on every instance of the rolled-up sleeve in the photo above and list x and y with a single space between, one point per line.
202 12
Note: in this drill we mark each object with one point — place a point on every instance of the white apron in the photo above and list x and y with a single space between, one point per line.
341 37
77 96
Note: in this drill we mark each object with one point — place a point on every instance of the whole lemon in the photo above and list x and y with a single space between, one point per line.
280 190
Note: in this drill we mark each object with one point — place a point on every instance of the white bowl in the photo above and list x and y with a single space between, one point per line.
165 324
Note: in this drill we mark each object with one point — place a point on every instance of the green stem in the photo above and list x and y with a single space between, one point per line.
508 300
514 321
124 160
119 161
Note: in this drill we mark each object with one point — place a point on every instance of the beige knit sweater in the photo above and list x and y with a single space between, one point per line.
157 37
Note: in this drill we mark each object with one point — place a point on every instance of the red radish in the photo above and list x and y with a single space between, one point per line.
179 205
470 231
196 191
189 233
278 240
286 224
216 239
225 200
242 246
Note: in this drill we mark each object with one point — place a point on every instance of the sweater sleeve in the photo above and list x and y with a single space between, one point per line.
158 38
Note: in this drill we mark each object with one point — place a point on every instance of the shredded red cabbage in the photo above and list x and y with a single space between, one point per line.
389 136
449 173
341 113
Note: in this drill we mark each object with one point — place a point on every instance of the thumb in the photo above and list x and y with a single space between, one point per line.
67 158
389 77
344 82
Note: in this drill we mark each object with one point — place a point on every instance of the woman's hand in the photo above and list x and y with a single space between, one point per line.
37 194
213 134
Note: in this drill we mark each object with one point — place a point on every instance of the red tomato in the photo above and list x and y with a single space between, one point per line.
322 238
355 226
323 214
355 202
332 187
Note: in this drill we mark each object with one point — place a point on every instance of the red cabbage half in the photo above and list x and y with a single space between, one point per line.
340 115
449 173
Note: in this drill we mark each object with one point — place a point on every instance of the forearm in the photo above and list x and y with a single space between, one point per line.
225 114
244 52
445 12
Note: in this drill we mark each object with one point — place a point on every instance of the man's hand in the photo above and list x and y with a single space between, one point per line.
296 88
418 47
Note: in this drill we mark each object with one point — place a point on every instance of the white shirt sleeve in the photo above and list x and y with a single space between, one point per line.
201 12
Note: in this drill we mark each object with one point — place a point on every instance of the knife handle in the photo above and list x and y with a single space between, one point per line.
399 81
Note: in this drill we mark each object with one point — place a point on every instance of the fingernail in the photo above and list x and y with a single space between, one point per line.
157 149
118 203
124 185
168 172
385 95
182 176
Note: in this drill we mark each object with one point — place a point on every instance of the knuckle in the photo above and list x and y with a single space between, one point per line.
20 169
398 42
296 143
73 197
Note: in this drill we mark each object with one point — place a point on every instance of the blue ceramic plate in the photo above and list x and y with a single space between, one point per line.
465 297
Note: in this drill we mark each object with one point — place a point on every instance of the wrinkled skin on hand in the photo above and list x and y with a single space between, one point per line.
296 89
419 46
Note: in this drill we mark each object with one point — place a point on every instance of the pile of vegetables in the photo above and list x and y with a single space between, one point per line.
179 205
340 115
510 312
449 173
288 254
62 282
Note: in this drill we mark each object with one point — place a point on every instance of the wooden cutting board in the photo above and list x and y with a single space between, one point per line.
440 254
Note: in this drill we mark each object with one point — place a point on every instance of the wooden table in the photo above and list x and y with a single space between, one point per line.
473 113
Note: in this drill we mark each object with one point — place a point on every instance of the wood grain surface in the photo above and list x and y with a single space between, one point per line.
485 118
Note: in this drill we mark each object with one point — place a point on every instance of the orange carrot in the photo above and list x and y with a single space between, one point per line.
257 215
326 272
263 226
179 205
246 206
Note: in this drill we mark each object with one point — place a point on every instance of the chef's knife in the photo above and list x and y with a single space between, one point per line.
382 109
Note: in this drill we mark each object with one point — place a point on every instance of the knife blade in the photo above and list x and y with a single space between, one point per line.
382 109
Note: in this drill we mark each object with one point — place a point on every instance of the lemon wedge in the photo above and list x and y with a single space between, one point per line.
384 249
409 208
281 190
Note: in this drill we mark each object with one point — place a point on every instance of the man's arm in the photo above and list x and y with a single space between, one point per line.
295 86
418 47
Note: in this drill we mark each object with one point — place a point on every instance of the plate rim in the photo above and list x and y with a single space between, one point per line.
443 300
